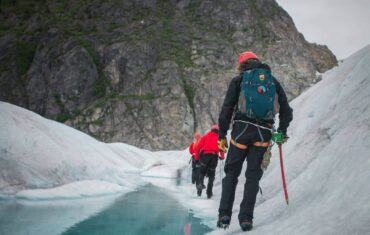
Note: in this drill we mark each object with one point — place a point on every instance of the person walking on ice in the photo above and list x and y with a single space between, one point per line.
194 162
251 102
207 153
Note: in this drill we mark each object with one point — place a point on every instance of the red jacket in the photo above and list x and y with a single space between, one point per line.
208 144
192 147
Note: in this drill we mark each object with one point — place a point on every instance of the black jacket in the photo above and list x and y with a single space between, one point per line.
231 100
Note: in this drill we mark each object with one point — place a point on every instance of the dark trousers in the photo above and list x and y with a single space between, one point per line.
246 135
193 171
208 164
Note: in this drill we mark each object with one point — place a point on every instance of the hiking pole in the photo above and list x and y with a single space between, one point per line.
283 175
278 137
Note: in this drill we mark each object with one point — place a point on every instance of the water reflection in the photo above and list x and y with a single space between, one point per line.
147 211
21 217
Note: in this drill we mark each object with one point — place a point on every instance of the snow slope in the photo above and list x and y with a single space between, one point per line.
37 153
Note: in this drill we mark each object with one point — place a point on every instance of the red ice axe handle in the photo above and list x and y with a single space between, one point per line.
283 175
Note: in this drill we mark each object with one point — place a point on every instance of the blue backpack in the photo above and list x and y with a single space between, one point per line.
257 94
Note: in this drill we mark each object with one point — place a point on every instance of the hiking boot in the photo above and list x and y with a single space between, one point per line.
223 221
246 225
200 186
209 195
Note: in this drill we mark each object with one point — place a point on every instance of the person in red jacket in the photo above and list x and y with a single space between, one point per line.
192 147
207 153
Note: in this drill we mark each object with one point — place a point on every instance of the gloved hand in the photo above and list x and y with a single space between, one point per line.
266 159
222 144
221 156
285 138
280 137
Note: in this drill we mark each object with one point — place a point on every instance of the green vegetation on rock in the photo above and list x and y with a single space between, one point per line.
144 97
25 52
101 85
189 92
62 117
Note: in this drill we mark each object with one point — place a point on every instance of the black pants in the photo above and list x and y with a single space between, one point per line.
193 171
246 135
208 164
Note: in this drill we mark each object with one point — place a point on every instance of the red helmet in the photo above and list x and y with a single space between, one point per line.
246 56
215 127
197 136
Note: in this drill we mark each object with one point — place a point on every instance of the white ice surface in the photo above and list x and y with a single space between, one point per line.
327 162
75 190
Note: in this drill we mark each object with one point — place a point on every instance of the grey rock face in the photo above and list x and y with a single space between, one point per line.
61 78
146 72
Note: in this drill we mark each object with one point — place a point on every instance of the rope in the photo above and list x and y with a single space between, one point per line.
254 124
241 133
259 132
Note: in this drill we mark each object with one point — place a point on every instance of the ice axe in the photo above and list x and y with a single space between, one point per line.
278 137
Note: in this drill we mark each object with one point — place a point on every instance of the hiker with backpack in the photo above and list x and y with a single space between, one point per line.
207 153
194 162
251 102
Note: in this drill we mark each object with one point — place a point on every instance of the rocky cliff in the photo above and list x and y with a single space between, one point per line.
144 72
